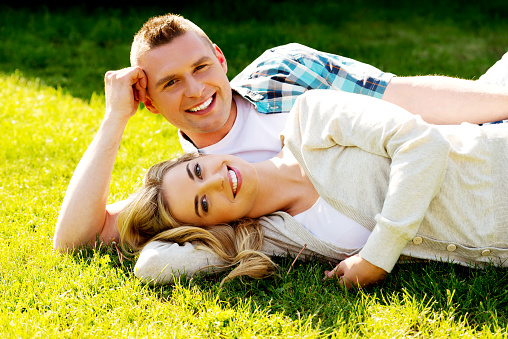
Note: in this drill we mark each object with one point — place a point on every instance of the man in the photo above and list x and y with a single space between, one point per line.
177 72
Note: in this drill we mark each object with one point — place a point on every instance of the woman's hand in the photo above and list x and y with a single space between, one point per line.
356 271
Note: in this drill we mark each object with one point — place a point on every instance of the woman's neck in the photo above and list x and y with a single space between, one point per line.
283 186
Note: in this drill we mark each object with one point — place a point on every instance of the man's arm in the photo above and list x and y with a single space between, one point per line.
444 100
439 100
84 214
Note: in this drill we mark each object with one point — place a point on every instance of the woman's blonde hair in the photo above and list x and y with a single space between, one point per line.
147 217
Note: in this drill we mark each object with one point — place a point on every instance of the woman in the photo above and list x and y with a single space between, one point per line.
397 184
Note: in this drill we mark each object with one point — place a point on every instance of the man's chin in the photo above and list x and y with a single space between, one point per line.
209 135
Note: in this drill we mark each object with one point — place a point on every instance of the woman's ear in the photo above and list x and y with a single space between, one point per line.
150 106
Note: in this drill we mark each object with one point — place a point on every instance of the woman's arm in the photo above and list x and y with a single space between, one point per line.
418 152
162 262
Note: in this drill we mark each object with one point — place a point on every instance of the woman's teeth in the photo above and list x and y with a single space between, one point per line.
203 106
234 180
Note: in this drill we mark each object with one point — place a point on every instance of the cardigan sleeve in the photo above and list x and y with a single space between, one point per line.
162 262
324 119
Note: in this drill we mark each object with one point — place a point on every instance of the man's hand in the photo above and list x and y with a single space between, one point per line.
125 89
356 271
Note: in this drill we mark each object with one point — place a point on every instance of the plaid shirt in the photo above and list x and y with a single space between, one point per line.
274 81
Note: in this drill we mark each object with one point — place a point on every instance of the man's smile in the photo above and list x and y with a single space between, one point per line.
202 107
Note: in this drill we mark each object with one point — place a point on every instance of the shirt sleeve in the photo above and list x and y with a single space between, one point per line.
274 81
418 153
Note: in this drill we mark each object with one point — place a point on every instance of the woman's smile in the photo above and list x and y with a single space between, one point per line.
235 180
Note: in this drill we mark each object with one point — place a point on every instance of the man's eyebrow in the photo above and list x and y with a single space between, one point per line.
171 76
196 206
189 173
201 60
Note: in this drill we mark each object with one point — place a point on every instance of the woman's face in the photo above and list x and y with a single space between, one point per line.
211 189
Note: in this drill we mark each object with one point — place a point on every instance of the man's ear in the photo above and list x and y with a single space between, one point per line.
221 58
150 106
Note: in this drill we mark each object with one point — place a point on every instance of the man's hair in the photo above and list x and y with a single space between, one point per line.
161 30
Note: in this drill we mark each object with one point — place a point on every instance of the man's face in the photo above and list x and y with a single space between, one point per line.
187 84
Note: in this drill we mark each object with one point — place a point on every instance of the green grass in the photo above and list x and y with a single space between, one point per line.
52 63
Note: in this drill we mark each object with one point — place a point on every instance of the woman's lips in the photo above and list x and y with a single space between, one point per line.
235 180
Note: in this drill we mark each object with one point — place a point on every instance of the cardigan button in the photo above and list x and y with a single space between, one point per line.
485 253
417 240
451 248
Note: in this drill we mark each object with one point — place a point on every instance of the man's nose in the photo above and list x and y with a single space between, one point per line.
194 87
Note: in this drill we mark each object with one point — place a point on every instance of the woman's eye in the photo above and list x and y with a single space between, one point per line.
204 204
197 171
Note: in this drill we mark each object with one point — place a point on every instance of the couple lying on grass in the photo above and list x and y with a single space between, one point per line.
357 179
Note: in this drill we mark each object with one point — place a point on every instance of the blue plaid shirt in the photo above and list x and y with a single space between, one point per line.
274 81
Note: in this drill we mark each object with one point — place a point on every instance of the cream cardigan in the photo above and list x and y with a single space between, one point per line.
425 191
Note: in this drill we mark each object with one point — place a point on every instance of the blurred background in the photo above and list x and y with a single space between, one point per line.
72 46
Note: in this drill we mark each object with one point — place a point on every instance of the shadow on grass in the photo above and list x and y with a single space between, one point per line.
477 295
74 46
118 260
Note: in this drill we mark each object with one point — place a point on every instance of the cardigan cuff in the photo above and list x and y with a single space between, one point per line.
383 248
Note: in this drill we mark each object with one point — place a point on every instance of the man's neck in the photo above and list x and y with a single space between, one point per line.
201 140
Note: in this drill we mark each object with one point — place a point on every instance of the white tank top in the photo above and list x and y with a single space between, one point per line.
255 137
325 222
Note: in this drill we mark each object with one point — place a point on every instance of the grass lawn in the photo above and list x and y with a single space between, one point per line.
52 63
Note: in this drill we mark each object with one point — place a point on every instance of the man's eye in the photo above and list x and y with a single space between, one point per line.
200 67
197 171
170 83
204 204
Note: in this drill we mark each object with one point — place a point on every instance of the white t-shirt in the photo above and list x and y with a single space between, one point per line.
255 137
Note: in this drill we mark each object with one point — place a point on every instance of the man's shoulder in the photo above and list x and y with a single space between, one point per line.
276 60
291 50
293 46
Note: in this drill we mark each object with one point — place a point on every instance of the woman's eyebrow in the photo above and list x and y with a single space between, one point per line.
196 206
189 172
196 199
